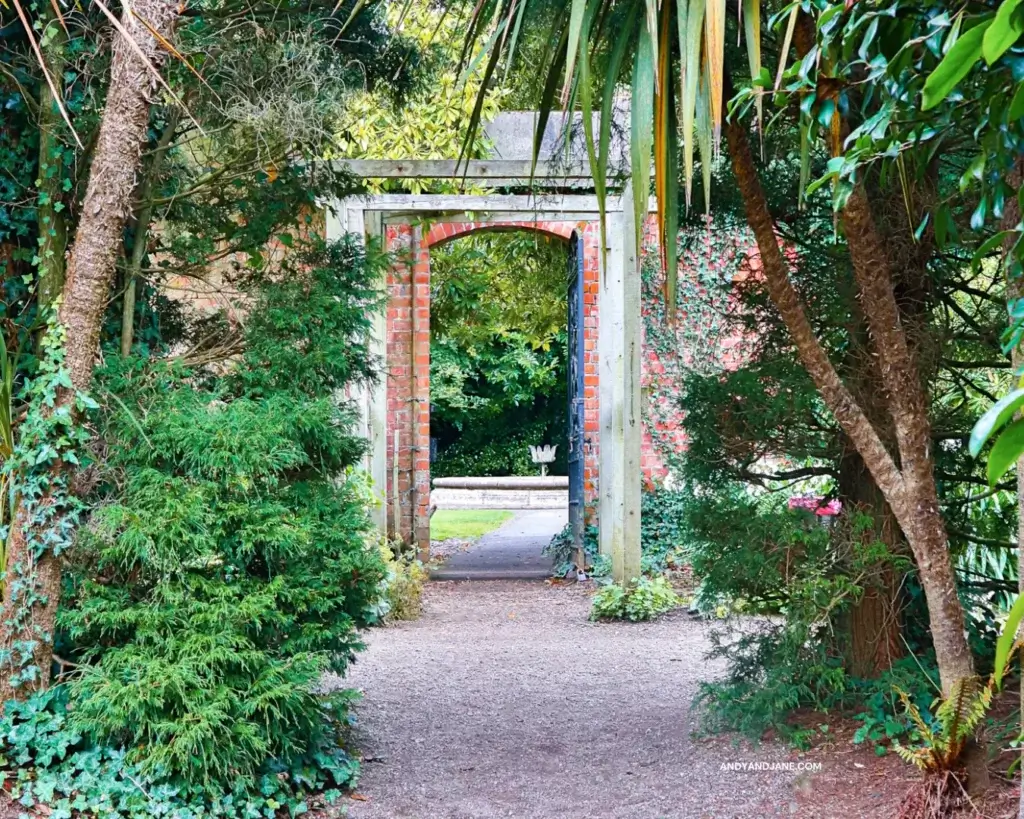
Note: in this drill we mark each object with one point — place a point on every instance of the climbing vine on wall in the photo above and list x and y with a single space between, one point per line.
705 337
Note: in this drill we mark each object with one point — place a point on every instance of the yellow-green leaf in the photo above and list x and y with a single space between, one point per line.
1009 446
714 44
1005 643
1003 33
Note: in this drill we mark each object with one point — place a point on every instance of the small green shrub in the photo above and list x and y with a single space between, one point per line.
647 598
404 586
45 762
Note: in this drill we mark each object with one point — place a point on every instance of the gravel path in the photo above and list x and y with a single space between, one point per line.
504 701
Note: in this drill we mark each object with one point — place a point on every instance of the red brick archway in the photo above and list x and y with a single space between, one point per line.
408 360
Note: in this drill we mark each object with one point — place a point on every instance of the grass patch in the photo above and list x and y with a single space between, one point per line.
465 524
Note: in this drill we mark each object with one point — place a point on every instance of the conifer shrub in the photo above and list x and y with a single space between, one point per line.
227 564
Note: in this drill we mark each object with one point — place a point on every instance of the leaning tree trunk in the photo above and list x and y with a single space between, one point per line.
53 230
909 488
917 505
33 584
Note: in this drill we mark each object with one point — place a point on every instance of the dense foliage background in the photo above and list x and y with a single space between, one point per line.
498 353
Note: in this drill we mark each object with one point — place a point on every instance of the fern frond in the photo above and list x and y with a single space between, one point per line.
914 713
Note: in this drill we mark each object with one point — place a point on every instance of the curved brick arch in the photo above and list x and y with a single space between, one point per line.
408 359
442 232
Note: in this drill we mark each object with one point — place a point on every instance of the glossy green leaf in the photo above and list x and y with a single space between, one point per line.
987 247
1009 446
996 417
1016 110
1003 33
1006 641
960 59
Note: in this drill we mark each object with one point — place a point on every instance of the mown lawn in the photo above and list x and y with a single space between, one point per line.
465 524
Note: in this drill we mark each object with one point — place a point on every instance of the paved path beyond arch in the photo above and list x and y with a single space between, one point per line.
513 551
504 701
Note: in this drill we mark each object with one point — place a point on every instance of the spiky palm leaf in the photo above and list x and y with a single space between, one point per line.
676 50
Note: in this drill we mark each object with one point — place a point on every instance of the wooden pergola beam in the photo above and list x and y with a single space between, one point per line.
514 170
547 206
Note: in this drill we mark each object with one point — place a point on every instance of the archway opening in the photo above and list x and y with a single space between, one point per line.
506 398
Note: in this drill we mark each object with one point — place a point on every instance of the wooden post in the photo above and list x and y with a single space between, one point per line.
632 426
377 456
372 400
619 343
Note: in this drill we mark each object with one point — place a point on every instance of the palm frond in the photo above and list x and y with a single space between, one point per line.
676 49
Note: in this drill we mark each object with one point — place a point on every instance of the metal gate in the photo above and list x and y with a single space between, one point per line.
576 393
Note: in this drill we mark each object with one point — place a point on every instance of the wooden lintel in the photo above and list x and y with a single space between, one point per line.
520 170
547 206
459 217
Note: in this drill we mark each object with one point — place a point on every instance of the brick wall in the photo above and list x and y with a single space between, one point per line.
408 411
409 399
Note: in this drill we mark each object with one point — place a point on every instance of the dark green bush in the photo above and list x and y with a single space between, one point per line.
754 555
227 564
500 446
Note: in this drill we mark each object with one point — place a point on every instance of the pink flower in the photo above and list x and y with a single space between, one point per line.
816 504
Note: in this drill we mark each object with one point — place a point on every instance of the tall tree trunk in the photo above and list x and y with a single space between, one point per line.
32 593
872 625
917 506
909 488
53 230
